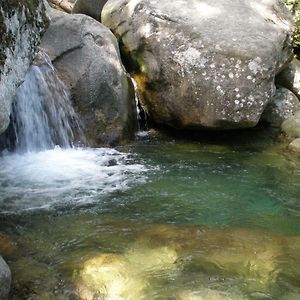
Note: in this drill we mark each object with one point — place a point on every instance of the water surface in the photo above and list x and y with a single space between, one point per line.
162 218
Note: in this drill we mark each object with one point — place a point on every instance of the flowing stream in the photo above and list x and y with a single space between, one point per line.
161 218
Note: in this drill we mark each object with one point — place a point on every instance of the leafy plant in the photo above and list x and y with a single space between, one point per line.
294 6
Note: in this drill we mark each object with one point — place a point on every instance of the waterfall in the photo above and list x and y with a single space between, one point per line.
141 114
43 116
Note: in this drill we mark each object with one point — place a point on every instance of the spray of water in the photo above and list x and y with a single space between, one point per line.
43 114
46 171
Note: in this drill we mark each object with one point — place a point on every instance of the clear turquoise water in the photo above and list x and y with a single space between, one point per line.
222 213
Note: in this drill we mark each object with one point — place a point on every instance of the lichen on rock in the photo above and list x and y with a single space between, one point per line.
202 64
21 26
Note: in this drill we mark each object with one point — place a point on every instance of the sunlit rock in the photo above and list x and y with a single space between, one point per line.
125 277
203 64
110 276
153 259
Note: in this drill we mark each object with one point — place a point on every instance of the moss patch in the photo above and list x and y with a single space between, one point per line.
294 6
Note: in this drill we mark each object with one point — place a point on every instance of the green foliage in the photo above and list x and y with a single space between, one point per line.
294 6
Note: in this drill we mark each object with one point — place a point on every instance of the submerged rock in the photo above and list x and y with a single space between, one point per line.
291 296
109 276
202 63
283 105
116 277
21 26
295 145
92 8
260 258
5 279
291 126
203 294
7 246
86 57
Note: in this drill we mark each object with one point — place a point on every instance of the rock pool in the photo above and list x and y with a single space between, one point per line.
162 218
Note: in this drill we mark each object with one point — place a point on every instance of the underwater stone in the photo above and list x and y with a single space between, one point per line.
125 277
295 145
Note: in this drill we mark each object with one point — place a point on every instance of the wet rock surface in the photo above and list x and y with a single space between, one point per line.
86 57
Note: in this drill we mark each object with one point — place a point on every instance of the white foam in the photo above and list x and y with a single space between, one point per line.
64 176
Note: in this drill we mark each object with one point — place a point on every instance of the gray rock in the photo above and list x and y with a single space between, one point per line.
295 147
291 126
283 105
92 8
86 57
290 77
203 63
21 25
5 279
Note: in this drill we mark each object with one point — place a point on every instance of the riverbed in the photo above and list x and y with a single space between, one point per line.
212 217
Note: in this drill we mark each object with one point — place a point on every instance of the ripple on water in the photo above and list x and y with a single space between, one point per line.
64 176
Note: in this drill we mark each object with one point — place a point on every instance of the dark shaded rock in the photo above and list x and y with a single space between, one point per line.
92 8
282 106
5 279
21 26
86 57
290 77
203 64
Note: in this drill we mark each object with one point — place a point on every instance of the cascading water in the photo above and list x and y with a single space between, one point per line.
43 116
46 170
141 115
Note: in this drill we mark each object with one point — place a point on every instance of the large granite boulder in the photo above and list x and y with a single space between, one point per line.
92 8
5 279
86 57
21 26
201 63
